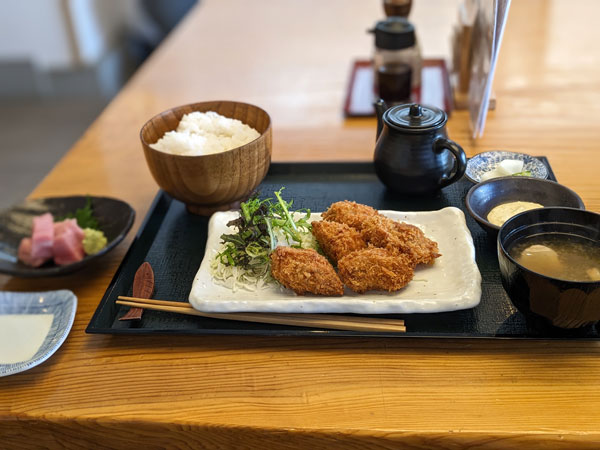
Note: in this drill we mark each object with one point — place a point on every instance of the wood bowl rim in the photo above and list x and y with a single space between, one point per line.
147 146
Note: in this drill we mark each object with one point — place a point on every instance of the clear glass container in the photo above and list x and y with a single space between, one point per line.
396 61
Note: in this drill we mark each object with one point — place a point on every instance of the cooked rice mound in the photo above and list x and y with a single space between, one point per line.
201 133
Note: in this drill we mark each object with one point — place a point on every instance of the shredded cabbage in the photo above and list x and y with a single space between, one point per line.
243 261
258 275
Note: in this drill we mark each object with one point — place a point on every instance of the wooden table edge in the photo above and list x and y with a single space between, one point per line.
125 434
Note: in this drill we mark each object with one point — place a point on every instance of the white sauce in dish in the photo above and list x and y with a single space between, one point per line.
501 213
21 336
505 168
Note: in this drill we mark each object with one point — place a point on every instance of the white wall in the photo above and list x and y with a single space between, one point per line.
35 30
438 44
61 34
97 25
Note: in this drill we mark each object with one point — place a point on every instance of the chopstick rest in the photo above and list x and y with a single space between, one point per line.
143 287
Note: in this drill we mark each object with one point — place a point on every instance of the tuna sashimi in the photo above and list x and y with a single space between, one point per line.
42 237
60 227
68 247
62 241
25 254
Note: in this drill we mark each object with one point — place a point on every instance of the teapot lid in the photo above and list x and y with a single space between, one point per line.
416 118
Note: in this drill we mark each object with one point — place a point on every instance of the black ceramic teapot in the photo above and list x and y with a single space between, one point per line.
413 154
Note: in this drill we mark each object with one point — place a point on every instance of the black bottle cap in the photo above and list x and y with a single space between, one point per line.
395 33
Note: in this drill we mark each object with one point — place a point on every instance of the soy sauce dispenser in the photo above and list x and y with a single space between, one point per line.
396 60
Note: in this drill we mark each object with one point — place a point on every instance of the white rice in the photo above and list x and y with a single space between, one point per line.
205 133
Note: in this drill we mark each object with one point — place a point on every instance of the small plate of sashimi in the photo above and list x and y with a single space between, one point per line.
58 235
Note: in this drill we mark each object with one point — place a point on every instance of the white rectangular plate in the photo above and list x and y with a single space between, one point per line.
453 282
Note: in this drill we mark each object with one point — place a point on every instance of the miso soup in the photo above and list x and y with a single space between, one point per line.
558 255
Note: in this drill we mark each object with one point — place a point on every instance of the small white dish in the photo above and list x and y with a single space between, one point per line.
36 324
452 283
487 161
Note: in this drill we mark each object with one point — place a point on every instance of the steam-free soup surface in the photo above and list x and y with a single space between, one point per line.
559 255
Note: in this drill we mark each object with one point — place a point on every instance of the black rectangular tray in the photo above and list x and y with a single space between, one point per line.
173 241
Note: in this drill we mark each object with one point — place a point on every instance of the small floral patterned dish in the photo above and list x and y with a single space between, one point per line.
484 162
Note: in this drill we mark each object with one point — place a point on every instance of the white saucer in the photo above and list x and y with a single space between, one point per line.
33 326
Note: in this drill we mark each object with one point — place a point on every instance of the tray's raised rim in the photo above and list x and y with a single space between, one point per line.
320 333
161 203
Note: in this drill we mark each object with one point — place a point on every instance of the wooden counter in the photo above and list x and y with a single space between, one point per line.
293 59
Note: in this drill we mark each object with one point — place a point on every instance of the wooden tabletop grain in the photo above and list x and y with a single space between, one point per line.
293 59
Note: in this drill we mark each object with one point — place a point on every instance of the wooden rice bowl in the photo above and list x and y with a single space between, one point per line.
216 182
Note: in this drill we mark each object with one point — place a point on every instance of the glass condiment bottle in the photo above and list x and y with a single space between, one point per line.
396 61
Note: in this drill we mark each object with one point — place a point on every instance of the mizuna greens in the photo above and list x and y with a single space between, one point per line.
244 258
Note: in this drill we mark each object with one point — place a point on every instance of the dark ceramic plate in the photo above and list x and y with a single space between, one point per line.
484 196
115 219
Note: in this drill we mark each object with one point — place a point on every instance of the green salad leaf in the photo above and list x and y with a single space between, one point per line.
84 216
259 224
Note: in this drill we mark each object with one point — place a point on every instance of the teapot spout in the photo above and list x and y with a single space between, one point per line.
380 108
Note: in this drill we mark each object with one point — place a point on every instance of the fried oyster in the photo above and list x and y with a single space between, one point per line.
375 269
350 213
372 252
337 239
304 270
399 237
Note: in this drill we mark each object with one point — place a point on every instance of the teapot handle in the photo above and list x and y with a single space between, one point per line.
442 144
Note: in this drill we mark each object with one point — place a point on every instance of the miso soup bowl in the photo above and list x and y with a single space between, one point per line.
214 182
560 303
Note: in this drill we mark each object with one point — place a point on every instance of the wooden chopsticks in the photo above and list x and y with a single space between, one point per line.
327 321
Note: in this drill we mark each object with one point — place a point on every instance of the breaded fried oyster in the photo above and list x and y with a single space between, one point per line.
337 239
304 270
351 213
414 242
375 269
399 237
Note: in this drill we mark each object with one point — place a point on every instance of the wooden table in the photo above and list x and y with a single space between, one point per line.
293 59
